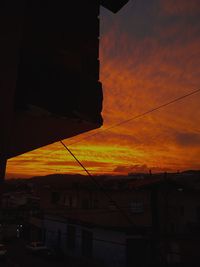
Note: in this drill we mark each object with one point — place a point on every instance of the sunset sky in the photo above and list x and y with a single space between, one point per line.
150 55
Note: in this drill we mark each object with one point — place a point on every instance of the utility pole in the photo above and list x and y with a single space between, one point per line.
155 222
3 162
2 169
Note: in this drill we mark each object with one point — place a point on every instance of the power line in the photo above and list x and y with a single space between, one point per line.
135 117
99 185
138 116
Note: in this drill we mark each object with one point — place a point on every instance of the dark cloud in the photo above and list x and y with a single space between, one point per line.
188 139
133 168
137 168
98 164
180 7
167 22
28 160
61 163
74 163
138 14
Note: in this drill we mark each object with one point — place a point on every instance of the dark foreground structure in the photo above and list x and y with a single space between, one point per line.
49 71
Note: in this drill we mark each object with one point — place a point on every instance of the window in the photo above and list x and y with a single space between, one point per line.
55 197
87 243
198 213
173 256
173 227
112 205
71 237
58 238
182 210
95 204
137 207
85 203
68 201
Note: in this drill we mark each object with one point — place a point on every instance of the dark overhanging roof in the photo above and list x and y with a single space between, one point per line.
23 129
113 5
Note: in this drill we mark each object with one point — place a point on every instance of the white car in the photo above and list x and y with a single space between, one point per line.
36 246
3 251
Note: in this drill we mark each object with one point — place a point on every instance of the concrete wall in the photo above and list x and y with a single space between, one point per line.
109 247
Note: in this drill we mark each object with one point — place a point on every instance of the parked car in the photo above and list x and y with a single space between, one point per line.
36 247
3 251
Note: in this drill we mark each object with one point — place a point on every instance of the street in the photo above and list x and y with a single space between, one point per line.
18 256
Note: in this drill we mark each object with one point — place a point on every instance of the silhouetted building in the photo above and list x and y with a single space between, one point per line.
163 227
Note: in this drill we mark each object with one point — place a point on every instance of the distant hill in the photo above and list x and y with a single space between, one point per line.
56 180
190 178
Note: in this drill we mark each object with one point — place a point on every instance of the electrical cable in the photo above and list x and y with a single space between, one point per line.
99 185
137 116
133 118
